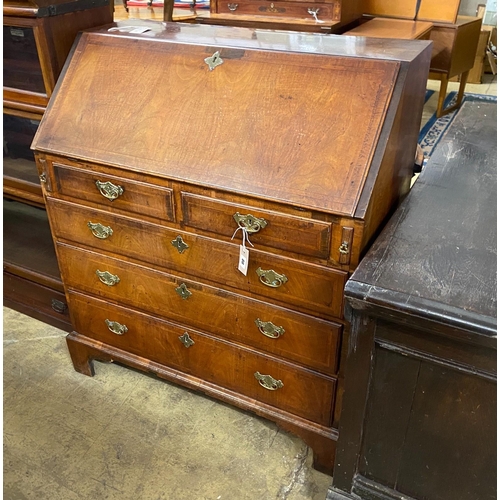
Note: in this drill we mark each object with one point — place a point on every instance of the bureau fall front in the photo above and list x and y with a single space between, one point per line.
210 190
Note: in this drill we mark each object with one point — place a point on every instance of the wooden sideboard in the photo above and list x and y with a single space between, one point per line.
302 142
37 37
419 414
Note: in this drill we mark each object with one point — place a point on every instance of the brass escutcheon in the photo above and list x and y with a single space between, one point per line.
109 190
115 327
268 382
214 60
186 339
100 231
249 222
183 291
232 6
344 248
43 177
271 278
269 329
107 278
180 244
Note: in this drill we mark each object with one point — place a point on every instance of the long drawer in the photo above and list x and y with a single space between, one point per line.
291 388
301 338
312 287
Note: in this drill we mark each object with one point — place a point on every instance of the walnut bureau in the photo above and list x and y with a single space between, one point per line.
303 143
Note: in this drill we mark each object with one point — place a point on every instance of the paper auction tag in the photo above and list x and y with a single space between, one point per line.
244 252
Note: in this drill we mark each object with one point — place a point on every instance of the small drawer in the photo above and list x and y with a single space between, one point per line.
302 10
279 279
113 192
271 229
301 338
294 389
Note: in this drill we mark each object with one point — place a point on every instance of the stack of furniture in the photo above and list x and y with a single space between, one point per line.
294 147
419 416
37 37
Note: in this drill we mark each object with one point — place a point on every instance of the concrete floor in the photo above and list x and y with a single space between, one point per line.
124 435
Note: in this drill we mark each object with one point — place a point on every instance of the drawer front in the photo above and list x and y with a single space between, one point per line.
308 286
114 193
300 338
303 393
280 231
302 10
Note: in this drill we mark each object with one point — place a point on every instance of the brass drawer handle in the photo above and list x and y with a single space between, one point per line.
314 13
58 306
268 382
107 278
100 231
180 244
109 190
249 222
269 329
183 291
115 327
186 340
271 278
232 6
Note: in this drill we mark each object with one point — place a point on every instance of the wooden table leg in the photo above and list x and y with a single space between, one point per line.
442 94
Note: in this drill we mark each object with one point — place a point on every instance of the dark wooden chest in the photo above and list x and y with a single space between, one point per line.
419 416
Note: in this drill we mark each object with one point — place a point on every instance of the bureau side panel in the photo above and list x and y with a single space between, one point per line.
387 185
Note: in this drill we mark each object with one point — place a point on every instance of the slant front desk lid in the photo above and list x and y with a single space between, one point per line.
291 117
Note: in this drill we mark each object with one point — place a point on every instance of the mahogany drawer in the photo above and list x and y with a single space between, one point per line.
304 339
304 393
324 11
308 286
131 195
282 231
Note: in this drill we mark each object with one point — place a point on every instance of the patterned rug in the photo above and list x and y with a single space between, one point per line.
435 128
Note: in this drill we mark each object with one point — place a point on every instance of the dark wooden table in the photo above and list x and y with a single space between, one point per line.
419 414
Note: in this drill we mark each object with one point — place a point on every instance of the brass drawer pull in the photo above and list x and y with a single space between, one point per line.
314 13
186 339
109 190
108 278
115 327
269 329
100 231
249 222
232 6
271 278
268 382
180 244
58 306
183 291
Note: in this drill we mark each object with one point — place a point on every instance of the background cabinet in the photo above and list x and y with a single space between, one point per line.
37 38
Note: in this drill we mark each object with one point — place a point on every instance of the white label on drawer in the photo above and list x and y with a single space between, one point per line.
244 257
16 32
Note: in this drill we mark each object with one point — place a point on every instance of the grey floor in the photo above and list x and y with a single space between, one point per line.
124 435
